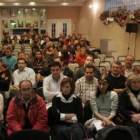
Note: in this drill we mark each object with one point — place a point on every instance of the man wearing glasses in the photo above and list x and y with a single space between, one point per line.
27 110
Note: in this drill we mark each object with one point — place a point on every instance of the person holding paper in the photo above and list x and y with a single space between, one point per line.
104 104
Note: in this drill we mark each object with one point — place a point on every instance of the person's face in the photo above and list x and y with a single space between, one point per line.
26 90
115 69
89 74
78 47
89 60
66 89
8 52
82 52
38 55
21 64
103 86
21 55
55 71
129 61
135 85
0 64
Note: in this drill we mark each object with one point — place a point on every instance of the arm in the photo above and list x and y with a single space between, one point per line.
78 88
32 76
42 116
47 91
16 78
12 122
1 105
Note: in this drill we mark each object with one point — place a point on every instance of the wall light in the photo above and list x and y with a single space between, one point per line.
32 3
16 4
91 5
64 4
1 3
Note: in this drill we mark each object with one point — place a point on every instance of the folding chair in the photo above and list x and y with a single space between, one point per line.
72 66
109 58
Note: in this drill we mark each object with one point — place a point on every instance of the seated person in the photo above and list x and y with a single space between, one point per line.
5 77
66 107
23 73
129 103
27 110
104 104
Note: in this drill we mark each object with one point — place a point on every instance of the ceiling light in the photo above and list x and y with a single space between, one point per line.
64 4
1 3
90 6
32 3
16 4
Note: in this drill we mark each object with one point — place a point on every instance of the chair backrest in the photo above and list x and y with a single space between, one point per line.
109 58
29 134
72 66
106 64
121 58
102 56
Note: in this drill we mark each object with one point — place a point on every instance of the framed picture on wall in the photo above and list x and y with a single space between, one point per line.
20 23
28 23
42 23
13 12
4 23
43 13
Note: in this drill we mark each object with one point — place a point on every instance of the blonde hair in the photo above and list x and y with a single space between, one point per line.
131 78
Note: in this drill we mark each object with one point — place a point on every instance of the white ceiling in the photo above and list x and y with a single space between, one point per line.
42 3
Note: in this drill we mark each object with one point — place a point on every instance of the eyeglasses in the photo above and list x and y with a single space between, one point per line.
26 89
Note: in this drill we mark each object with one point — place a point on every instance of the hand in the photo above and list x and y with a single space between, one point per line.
38 77
135 117
106 122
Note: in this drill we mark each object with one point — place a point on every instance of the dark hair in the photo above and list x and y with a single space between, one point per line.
70 81
103 79
55 64
1 60
38 51
117 63
58 57
89 55
90 66
21 59
24 81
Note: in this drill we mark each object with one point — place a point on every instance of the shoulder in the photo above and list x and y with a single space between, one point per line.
113 94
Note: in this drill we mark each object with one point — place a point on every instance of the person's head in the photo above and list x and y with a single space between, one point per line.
51 50
129 61
8 52
77 46
55 70
58 59
116 68
89 59
89 72
21 55
82 51
133 82
64 47
38 54
67 86
103 86
4 47
26 90
21 62
31 28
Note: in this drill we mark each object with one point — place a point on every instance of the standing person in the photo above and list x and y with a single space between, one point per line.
104 105
23 73
66 107
27 110
51 84
129 103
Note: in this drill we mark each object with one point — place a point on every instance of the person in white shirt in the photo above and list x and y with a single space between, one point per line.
23 73
51 84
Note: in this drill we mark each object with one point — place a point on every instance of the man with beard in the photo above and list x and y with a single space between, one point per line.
86 84
129 65
84 87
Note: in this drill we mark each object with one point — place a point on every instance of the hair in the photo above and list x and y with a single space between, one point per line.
58 57
131 56
21 53
70 81
90 66
131 78
9 48
55 64
25 81
38 51
117 63
106 80
21 59
1 60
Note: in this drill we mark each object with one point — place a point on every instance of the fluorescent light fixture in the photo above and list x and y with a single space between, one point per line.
16 4
64 3
32 3
1 3
33 9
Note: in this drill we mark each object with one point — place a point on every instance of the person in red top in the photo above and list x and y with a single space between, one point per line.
27 110
80 59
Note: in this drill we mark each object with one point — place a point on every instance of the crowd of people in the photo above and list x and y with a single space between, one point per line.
87 96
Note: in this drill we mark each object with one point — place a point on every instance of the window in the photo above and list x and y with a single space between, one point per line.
53 29
129 4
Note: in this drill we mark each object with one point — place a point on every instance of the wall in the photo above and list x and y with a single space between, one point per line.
90 25
64 13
